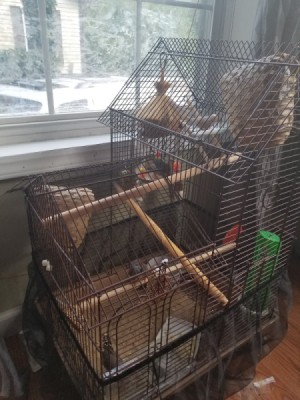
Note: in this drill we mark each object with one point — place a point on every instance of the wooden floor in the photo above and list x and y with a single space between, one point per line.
283 363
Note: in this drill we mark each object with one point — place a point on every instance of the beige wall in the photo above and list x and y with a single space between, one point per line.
6 29
70 25
15 247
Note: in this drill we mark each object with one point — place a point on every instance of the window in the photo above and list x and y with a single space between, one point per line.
73 56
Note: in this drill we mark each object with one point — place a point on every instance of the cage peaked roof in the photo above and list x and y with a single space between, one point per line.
146 93
221 94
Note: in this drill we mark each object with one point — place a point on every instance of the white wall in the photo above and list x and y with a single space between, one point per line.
243 19
234 19
70 26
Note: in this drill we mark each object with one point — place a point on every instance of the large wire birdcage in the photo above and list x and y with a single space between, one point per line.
190 224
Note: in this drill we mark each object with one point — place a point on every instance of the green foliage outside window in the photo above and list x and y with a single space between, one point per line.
107 35
108 31
20 63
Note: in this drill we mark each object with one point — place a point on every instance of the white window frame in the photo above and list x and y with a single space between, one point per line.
16 129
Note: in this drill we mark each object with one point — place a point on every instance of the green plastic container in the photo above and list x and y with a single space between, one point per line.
265 258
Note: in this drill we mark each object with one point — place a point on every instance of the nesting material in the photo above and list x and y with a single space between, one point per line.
259 100
161 110
68 199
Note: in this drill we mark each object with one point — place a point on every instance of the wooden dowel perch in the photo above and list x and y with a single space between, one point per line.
204 256
94 300
138 191
175 251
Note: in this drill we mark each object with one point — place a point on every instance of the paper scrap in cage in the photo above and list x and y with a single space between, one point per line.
178 362
165 370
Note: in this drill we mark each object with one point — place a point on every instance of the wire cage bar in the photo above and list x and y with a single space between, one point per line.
189 226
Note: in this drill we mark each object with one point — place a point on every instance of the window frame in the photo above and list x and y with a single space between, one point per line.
21 127
39 143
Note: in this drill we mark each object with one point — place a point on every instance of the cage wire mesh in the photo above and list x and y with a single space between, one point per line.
189 226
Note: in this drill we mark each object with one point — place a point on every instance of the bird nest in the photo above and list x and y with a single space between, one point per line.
259 100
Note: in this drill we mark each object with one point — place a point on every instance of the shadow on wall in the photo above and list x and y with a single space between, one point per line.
15 249
297 242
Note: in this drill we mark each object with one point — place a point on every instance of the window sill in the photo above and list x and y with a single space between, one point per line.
38 129
18 160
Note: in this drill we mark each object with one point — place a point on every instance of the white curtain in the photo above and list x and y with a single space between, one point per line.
277 21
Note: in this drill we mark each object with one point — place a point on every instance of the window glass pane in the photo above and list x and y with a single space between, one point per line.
10 104
21 61
92 50
160 20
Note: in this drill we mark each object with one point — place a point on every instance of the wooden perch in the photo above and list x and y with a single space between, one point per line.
204 256
138 191
95 300
176 252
